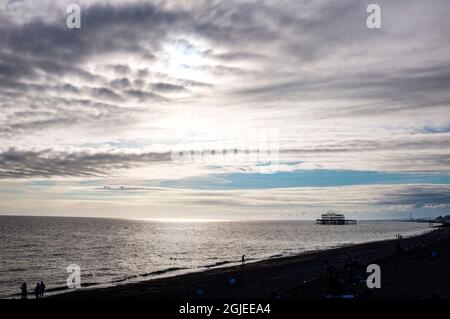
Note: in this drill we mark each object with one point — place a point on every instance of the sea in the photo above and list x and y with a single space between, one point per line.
116 251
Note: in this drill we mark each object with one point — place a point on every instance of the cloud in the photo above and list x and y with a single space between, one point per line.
137 200
368 201
143 95
419 197
25 164
121 83
167 87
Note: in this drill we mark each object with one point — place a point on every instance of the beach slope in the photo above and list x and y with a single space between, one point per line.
416 273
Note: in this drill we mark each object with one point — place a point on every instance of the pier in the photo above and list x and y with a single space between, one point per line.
335 219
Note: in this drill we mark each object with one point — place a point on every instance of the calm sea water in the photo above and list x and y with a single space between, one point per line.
113 251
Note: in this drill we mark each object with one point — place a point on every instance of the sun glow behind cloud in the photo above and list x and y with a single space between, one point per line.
185 60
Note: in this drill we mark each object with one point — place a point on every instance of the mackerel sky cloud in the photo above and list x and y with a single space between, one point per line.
91 116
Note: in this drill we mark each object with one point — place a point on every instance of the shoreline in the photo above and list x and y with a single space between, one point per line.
258 279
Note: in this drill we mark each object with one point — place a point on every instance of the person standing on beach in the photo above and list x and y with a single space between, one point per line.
37 290
42 289
334 286
243 259
24 290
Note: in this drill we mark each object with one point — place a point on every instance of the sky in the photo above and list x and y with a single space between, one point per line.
225 109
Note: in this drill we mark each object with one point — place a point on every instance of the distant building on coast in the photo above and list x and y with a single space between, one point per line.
335 219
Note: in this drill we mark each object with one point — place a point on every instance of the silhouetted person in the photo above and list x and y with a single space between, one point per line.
331 270
37 290
24 290
338 285
350 269
398 249
243 259
42 290
334 283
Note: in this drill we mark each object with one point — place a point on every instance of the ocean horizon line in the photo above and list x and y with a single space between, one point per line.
201 220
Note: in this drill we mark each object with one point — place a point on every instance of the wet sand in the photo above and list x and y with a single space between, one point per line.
415 274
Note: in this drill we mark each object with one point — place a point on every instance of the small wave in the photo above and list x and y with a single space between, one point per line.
153 273
25 245
62 288
219 263
160 272
276 256
14 269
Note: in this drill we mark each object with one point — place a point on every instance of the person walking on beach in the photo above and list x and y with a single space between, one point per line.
37 290
24 290
42 289
243 259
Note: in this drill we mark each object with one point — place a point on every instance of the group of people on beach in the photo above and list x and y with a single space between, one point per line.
352 271
38 290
